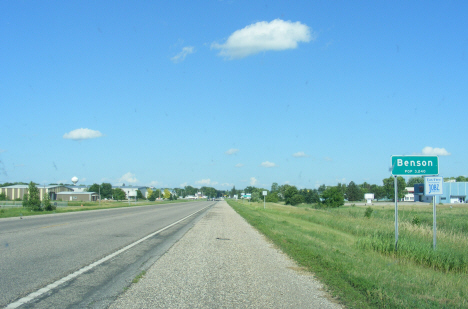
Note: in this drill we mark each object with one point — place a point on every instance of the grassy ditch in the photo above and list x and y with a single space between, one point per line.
353 253
8 212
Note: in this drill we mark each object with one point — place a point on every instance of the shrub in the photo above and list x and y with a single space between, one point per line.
368 212
416 220
296 199
332 197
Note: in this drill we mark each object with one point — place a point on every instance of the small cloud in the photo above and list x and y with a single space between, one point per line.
80 134
231 151
253 181
300 154
155 183
128 178
183 185
2 150
268 164
328 159
206 182
184 53
239 165
264 36
227 184
429 151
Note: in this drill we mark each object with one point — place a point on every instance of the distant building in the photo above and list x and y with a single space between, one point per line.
453 192
18 191
409 197
78 196
131 191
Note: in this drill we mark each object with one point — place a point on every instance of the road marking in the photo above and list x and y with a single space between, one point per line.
55 284
45 227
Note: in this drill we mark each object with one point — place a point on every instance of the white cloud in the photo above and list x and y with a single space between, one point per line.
328 159
128 178
429 151
300 154
239 165
263 36
253 181
183 185
2 150
184 53
231 151
80 134
206 182
268 164
155 183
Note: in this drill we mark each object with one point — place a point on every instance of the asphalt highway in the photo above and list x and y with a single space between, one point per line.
37 251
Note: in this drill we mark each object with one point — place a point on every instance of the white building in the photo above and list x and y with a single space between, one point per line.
131 191
409 197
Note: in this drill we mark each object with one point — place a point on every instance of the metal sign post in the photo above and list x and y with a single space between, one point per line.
433 186
264 194
396 213
409 166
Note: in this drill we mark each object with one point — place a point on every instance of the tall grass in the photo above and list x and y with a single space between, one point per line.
354 255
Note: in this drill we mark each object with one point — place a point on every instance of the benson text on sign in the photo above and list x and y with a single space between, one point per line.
415 165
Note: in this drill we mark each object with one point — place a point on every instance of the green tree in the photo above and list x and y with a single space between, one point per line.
332 197
296 199
275 187
389 187
321 189
94 188
3 197
209 191
167 194
415 180
149 191
461 179
106 190
33 200
290 192
353 192
233 191
272 197
154 195
47 205
189 190
379 191
118 194
139 195
312 197
250 189
342 187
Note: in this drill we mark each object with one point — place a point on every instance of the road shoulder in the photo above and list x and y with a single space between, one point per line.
224 262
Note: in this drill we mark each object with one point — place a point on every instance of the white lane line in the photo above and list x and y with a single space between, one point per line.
55 284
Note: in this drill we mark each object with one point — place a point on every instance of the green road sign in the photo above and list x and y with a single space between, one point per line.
415 165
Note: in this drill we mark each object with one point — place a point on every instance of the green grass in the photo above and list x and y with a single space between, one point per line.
355 257
139 276
7 212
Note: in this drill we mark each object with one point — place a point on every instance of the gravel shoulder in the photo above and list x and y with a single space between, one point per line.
222 262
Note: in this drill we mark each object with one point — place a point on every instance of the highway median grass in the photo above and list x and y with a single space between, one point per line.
354 255
8 212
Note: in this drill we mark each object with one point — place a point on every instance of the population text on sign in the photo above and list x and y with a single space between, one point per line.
415 165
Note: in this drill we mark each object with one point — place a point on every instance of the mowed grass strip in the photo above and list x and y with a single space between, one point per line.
328 243
8 212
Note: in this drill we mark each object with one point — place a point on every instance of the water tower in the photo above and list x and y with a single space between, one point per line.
74 180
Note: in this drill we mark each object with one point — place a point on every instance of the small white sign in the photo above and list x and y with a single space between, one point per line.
433 186
265 193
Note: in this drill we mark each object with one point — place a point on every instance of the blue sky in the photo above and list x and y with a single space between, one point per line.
223 93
